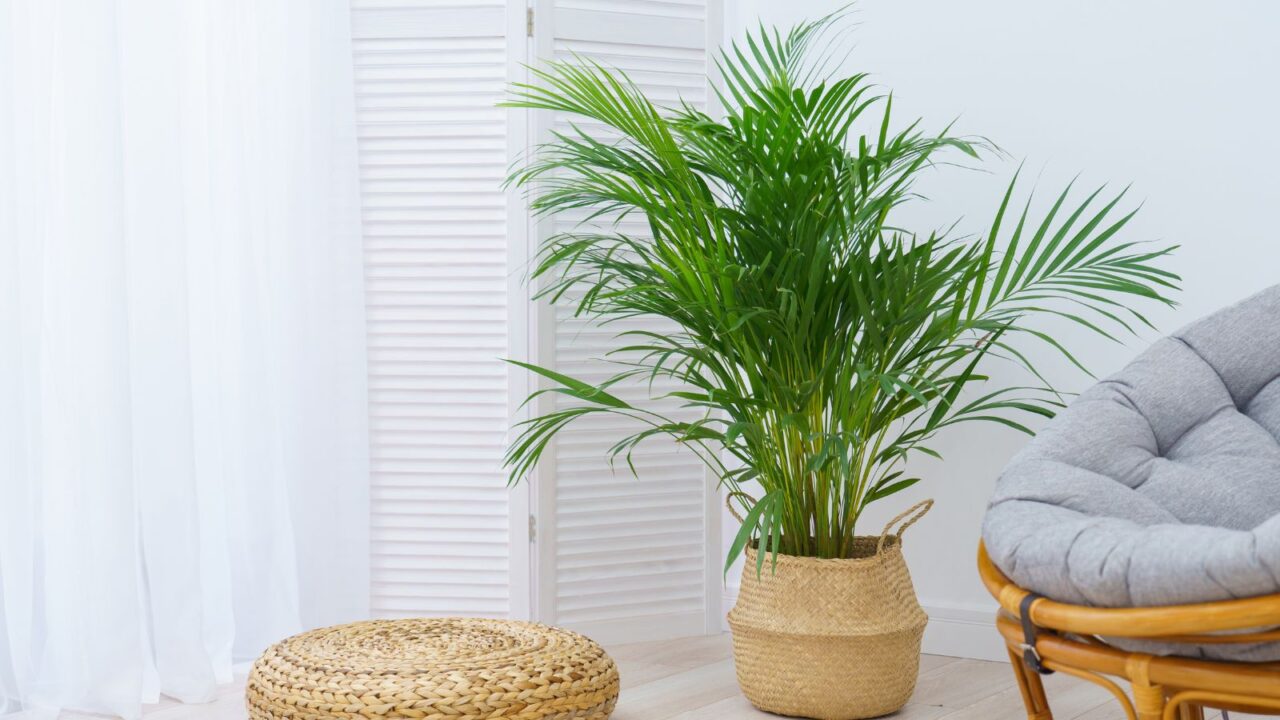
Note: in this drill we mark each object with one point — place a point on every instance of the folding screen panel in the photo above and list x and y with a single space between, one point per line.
447 536
624 557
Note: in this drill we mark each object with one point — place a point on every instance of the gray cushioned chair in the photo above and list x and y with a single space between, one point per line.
1159 485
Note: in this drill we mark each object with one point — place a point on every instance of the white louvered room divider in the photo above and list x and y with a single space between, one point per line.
445 254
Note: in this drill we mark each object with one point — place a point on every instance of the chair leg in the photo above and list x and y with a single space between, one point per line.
1190 711
1033 697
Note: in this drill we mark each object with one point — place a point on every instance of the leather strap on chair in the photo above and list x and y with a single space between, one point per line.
1029 653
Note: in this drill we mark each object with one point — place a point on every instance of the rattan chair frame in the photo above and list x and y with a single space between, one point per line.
1162 687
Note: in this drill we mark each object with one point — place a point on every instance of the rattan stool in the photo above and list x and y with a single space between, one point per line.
434 669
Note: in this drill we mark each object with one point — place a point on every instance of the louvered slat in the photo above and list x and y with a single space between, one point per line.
433 152
630 555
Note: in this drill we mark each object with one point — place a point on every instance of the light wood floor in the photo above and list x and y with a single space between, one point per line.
693 679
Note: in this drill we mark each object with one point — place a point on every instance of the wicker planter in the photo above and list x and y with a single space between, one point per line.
830 639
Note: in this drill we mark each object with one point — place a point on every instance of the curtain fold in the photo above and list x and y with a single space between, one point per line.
182 395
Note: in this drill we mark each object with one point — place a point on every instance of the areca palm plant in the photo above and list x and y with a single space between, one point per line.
821 343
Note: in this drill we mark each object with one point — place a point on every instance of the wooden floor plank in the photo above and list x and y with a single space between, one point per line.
929 663
734 707
958 685
635 673
689 690
1068 696
683 652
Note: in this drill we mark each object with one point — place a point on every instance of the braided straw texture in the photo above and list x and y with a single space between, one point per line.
434 669
828 639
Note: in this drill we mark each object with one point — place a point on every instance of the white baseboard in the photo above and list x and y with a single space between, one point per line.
961 631
955 630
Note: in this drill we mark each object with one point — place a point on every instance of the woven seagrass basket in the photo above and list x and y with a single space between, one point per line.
830 639
433 669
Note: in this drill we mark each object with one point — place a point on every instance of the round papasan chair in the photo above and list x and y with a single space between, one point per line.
1158 486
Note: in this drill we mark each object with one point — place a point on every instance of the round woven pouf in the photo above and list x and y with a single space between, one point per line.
434 669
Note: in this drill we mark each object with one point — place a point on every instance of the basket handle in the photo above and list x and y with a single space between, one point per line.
911 515
728 502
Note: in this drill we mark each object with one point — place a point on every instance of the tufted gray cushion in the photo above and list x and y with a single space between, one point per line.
1161 484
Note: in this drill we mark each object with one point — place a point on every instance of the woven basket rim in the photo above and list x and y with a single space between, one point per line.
892 546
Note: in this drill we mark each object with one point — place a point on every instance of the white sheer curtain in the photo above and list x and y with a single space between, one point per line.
181 342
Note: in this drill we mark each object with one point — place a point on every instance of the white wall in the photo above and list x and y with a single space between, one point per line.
1178 98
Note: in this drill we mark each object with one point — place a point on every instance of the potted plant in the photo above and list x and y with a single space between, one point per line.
822 343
